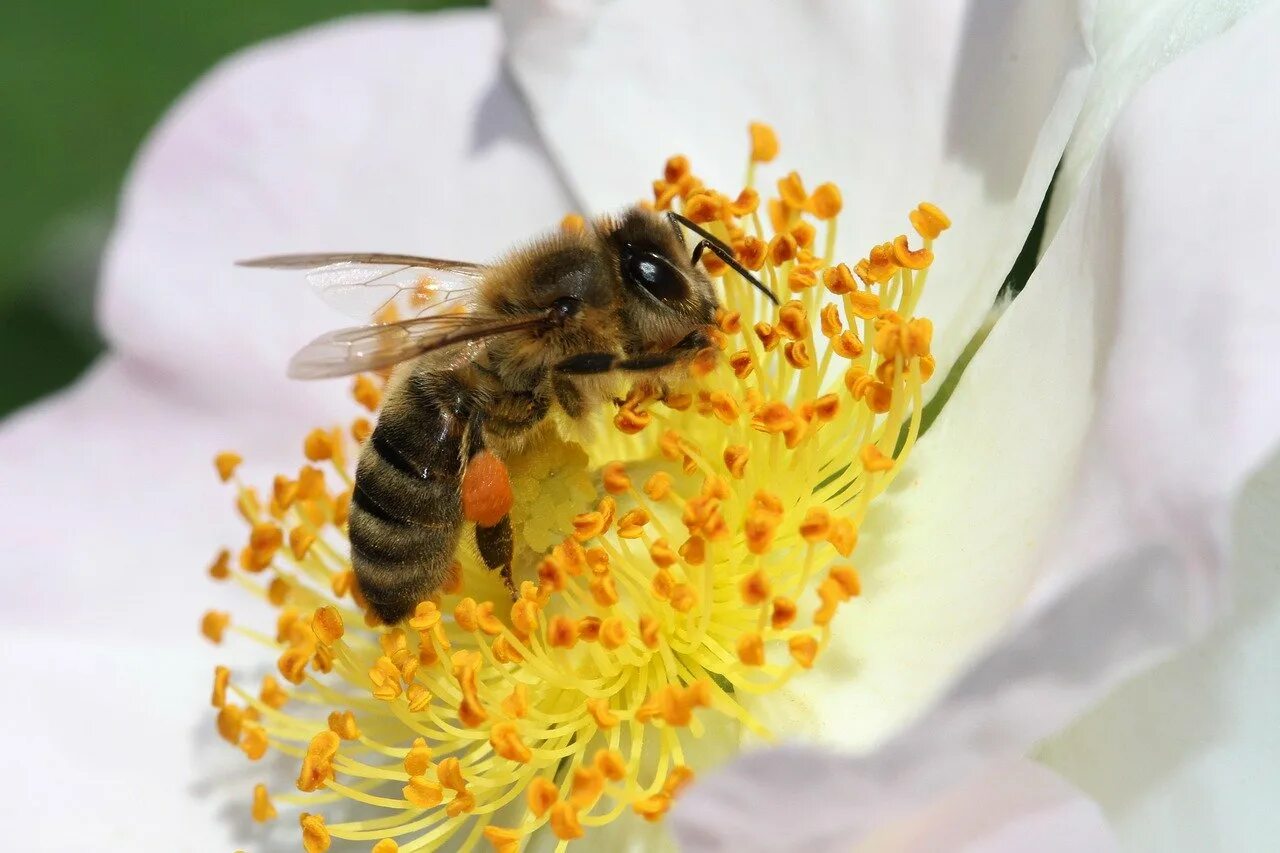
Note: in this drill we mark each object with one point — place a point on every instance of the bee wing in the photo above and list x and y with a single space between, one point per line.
363 285
354 350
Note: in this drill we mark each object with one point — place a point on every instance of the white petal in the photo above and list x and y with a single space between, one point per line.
794 798
344 136
965 105
1132 39
1071 502
1196 737
386 133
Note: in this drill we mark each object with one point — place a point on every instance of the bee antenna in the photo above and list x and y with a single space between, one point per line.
723 252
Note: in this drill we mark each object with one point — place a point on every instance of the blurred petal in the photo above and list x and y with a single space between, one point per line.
394 132
1132 40
1196 737
386 133
1070 507
795 798
967 105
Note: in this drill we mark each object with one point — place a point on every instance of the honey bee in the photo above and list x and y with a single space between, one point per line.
488 353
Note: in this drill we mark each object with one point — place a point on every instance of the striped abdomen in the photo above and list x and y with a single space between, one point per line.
406 515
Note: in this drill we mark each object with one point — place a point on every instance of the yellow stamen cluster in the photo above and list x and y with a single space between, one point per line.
708 567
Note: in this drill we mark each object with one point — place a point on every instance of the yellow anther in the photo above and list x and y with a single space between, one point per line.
230 720
562 632
683 596
798 355
874 460
825 202
751 252
613 631
315 837
214 623
418 759
227 462
782 248
327 624
504 737
367 393
929 221
754 588
422 792
658 486
343 724
847 577
616 481
843 536
791 191
600 712
262 810
503 839
573 223
603 589
541 795
764 142
221 675
564 822
517 702
803 648
917 260
587 786
272 694
254 743
652 808
750 648
801 279
610 763
386 845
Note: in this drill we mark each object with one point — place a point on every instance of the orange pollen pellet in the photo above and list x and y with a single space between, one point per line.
764 142
214 623
486 490
804 649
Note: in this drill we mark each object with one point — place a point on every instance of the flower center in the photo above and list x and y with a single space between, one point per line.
709 570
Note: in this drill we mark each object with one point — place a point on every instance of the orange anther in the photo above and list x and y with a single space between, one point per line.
613 631
662 554
830 593
791 191
736 457
361 429
751 251
220 568
615 478
221 675
503 839
832 325
506 742
803 648
798 355
573 223
604 591
422 792
386 845
917 260
343 724
804 232
843 536
214 623
683 597
874 460
652 808
600 712
694 551
227 462
847 344
517 702
366 392
745 204
764 142
826 407
782 248
649 631
704 207
318 445
754 588
315 837
816 525
327 624
418 759
564 822
676 168
587 786
262 810
542 795
801 279
793 320
773 417
589 628
712 264
847 577
768 335
826 201
839 280
610 763
929 221
300 542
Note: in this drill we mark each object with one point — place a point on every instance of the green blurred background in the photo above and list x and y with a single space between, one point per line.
81 82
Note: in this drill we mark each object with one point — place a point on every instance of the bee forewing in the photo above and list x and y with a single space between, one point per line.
368 286
355 350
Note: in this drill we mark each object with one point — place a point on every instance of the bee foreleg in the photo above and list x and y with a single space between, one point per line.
604 362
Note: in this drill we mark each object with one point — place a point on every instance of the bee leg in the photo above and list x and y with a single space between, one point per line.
604 362
495 545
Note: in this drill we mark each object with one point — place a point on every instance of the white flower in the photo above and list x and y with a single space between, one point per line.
1070 516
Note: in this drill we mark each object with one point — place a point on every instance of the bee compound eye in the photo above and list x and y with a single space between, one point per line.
656 275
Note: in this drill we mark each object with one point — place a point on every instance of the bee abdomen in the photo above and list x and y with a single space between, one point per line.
406 516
